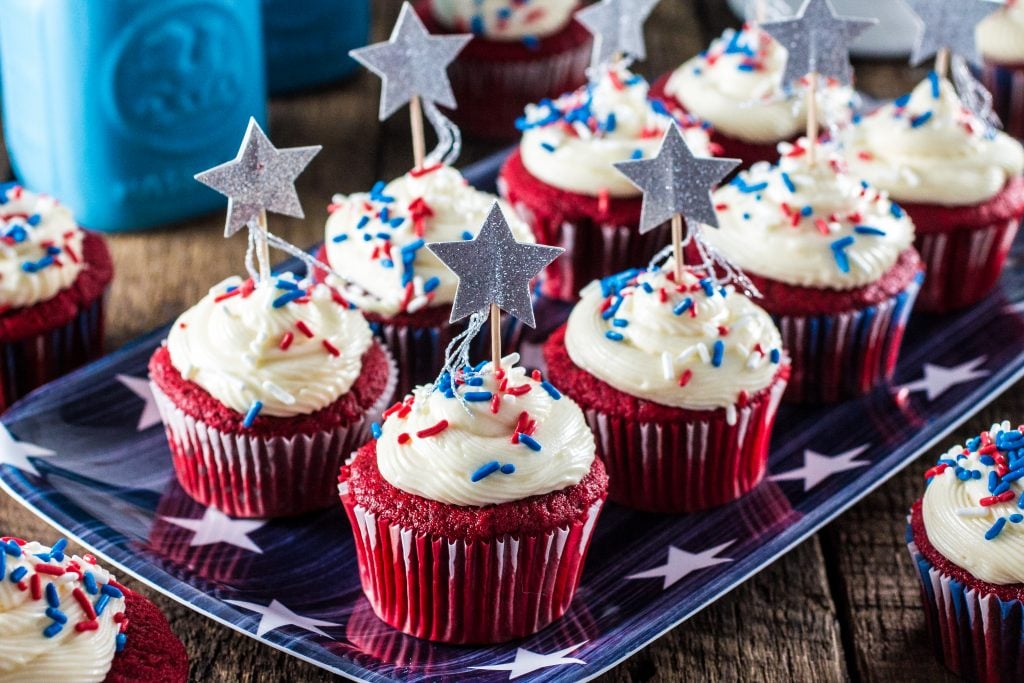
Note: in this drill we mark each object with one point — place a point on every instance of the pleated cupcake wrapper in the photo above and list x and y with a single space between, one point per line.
493 94
263 476
32 361
457 591
963 266
979 637
844 355
677 467
1006 83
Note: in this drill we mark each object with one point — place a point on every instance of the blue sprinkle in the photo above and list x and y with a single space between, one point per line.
375 430
475 381
119 641
52 597
508 468
1017 518
250 416
485 471
431 284
548 146
637 154
385 215
467 235
1002 488
552 391
807 210
683 306
920 119
367 237
112 591
902 100
993 481
788 182
363 222
716 357
709 287
995 529
101 604
90 583
18 574
34 219
396 221
610 123
476 24
934 78
12 549
413 246
339 238
839 253
868 230
287 298
387 263
529 442
477 396
620 322
52 630
612 309
286 284
55 614
614 336
775 356
986 460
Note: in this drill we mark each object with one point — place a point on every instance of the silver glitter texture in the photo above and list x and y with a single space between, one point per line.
261 177
617 27
948 24
676 182
817 40
412 62
494 268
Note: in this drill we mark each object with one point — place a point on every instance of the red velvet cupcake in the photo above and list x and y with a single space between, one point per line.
680 382
53 278
959 181
1001 42
264 391
966 537
563 183
91 626
474 507
522 51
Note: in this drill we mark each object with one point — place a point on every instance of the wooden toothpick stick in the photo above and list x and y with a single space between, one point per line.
942 62
812 117
419 144
677 245
496 336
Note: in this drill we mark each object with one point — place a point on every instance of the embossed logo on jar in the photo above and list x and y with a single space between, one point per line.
177 74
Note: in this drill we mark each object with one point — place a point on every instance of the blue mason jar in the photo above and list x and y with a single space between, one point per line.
113 105
307 41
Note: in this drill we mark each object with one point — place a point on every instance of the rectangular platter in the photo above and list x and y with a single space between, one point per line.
87 454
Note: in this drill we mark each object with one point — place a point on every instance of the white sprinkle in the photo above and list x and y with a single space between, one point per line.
417 303
973 512
742 322
687 354
702 351
754 360
666 366
250 360
730 414
279 393
709 330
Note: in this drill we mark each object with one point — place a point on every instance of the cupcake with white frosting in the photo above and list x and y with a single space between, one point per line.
959 180
563 182
65 618
833 258
377 241
477 471
1000 38
264 390
966 537
680 382
53 281
736 86
522 51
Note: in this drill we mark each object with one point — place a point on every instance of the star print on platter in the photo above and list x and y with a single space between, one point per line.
617 27
17 453
216 527
817 467
262 177
948 24
937 379
528 661
817 40
676 182
412 63
150 415
681 563
275 615
494 268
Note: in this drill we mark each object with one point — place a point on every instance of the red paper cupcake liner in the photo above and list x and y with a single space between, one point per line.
978 636
675 467
262 476
963 265
493 81
457 591
1006 83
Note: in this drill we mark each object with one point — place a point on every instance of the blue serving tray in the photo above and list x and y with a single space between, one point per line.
87 454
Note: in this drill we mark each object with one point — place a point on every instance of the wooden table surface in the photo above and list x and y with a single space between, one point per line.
841 606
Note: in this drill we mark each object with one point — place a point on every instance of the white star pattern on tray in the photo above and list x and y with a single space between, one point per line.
527 661
681 563
275 615
140 387
16 453
216 527
1017 308
818 467
938 380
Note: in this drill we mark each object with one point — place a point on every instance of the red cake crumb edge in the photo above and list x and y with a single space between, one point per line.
152 652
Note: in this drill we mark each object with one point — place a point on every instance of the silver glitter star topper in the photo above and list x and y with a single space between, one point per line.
948 24
494 268
617 27
817 41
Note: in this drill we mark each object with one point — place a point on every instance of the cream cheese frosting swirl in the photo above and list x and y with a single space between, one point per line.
688 344
572 143
927 147
1001 34
736 85
282 348
809 225
971 508
504 19
377 240
513 437
61 615
40 248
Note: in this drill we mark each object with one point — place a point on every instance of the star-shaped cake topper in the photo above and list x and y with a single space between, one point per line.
617 27
676 182
948 24
412 63
817 41
494 268
261 178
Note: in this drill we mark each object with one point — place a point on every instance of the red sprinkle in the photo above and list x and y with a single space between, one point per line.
226 295
603 201
83 601
286 341
419 172
433 431
331 348
938 469
1001 498
404 438
520 390
495 403
90 625
685 378
37 587
304 328
49 569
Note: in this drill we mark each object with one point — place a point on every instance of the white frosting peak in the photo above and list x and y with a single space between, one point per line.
434 446
572 143
1001 34
289 346
504 19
